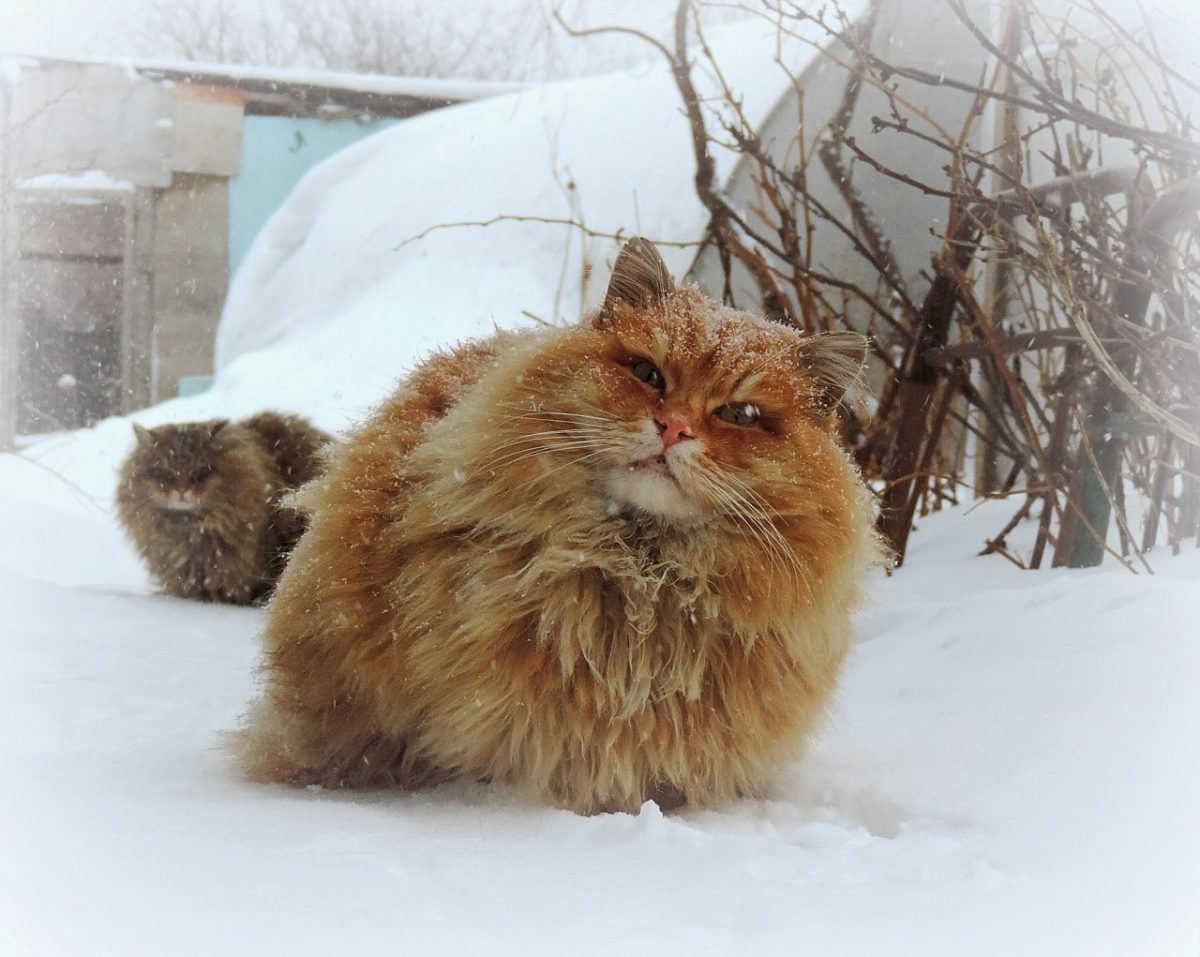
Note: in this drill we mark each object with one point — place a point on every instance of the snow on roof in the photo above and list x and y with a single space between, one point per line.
417 87
432 88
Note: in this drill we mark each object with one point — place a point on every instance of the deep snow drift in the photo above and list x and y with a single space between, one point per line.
1011 768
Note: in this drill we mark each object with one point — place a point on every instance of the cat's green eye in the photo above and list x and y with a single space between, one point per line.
648 372
739 413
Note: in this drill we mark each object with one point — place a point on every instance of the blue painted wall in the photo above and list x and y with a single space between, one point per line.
276 152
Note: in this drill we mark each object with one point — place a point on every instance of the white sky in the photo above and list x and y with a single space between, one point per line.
62 27
91 28
106 27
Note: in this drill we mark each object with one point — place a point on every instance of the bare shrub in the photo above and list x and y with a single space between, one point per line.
1048 348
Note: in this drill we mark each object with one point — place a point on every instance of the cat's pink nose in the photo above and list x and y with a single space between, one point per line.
673 427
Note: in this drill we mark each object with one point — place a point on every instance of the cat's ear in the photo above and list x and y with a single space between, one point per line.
216 426
640 278
145 438
836 361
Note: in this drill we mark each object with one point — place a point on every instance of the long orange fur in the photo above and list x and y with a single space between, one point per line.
489 587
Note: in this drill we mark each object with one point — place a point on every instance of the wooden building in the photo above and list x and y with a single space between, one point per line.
115 219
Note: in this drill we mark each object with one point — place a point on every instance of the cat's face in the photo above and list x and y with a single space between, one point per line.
711 406
678 408
687 410
180 468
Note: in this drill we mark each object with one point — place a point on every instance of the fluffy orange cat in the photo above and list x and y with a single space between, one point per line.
604 564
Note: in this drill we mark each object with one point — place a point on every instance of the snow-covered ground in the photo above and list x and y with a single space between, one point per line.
1011 767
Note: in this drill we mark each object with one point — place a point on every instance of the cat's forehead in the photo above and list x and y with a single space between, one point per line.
181 441
690 326
745 333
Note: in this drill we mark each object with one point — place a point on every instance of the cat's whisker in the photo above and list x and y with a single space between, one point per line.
558 440
520 456
758 509
577 460
738 509
590 413
755 519
771 535
534 437
753 496
548 434
574 461
570 416
749 492
569 424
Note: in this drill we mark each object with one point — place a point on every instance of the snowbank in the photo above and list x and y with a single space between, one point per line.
357 269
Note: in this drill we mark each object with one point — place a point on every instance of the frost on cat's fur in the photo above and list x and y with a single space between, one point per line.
604 564
200 502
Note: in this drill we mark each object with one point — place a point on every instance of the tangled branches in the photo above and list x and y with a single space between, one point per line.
1040 339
